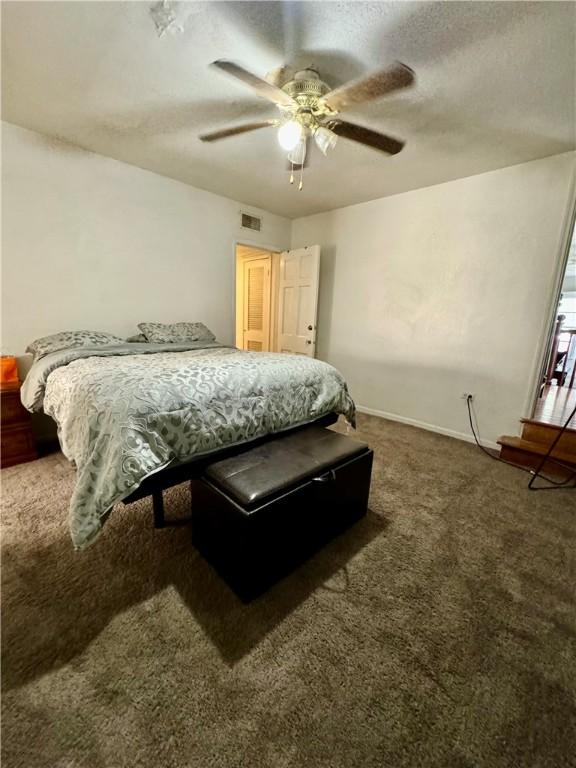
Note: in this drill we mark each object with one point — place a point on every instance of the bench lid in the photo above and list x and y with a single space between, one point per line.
286 461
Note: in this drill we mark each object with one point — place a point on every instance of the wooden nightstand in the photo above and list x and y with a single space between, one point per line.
17 443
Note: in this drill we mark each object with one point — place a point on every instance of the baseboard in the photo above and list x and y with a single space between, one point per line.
424 425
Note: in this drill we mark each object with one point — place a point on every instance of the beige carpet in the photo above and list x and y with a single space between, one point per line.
440 631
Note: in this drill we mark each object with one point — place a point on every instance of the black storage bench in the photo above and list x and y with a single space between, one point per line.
258 514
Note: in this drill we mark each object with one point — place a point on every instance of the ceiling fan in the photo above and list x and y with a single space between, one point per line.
308 108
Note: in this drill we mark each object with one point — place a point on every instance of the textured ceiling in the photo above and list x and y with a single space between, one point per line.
496 86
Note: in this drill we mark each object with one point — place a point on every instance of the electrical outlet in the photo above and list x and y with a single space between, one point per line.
467 395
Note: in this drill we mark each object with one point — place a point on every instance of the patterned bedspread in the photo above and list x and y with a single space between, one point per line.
128 411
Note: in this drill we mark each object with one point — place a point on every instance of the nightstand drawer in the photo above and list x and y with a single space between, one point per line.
17 445
13 412
17 440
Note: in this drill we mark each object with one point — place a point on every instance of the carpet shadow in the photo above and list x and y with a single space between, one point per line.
236 628
57 601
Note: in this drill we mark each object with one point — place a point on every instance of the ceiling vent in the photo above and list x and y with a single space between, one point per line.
251 222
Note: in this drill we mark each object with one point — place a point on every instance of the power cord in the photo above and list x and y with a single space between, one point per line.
534 473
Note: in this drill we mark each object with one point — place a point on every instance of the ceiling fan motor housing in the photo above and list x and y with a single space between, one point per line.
307 90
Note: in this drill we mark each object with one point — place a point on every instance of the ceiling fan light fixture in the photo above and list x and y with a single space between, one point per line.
290 134
297 155
325 139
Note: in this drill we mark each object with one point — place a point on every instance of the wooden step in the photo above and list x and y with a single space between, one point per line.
531 461
529 453
539 432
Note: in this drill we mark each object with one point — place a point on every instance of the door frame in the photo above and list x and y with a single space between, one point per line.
275 250
547 335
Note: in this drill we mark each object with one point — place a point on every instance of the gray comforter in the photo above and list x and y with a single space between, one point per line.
124 412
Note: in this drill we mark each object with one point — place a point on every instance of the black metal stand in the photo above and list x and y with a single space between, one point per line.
548 457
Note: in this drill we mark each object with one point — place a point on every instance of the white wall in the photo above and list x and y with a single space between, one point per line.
89 242
443 290
424 295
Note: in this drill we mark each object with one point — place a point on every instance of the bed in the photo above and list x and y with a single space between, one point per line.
126 412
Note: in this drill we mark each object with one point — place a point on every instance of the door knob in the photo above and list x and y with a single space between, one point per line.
310 328
308 341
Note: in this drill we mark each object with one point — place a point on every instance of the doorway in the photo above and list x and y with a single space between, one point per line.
277 299
255 306
557 395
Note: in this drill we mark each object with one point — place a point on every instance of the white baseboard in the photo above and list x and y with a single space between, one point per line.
424 425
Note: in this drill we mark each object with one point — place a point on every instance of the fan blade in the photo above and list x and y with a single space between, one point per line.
370 87
262 88
366 136
235 130
279 76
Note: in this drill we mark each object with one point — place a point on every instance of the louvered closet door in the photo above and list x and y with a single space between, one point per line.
257 304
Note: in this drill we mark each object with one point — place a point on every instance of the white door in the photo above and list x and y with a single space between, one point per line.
298 300
257 304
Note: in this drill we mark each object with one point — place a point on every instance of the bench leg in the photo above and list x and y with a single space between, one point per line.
158 507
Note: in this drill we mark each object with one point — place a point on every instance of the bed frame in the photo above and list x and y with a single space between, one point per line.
154 485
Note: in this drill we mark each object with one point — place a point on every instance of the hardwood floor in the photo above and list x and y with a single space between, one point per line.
555 405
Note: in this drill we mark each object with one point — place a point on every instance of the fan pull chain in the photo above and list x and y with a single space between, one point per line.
292 174
301 176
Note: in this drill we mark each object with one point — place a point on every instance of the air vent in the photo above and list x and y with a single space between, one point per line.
251 222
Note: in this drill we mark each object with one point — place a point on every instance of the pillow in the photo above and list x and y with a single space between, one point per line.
137 338
67 339
175 333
